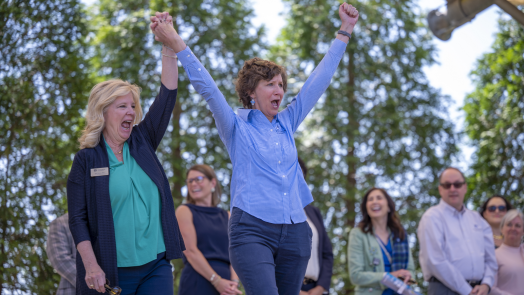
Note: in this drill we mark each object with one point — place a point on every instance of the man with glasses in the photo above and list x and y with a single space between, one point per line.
457 255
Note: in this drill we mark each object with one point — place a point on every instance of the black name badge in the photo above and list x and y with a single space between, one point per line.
99 172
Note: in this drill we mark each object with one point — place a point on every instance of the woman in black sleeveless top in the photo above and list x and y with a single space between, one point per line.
203 225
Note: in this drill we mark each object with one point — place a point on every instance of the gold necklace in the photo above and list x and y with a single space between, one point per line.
498 237
116 152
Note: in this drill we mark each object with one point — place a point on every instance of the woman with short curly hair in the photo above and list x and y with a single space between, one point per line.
254 71
269 238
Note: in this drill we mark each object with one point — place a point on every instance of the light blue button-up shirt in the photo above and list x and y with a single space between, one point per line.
267 181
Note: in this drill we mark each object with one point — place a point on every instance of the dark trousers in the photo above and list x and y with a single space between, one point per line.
269 258
437 288
192 283
154 277
309 286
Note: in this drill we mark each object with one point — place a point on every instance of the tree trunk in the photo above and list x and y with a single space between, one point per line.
351 161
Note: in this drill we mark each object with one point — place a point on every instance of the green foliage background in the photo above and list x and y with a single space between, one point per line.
495 118
44 84
379 124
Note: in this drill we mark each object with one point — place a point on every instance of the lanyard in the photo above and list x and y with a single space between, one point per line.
381 244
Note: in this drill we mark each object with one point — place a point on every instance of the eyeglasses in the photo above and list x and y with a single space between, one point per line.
197 179
112 290
448 185
494 208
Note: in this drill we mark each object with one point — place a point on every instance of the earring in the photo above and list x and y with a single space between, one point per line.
252 102
212 189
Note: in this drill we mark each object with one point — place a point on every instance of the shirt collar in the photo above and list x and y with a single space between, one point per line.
245 114
450 209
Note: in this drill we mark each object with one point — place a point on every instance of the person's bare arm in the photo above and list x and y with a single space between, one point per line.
95 276
193 254
162 24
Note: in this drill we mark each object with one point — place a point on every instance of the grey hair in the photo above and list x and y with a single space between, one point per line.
510 215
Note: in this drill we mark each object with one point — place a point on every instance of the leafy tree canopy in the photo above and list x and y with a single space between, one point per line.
495 118
44 82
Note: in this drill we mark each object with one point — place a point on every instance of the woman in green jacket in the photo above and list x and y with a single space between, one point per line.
378 245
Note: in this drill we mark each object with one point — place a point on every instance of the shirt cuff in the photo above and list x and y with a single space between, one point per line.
487 281
338 47
187 56
465 290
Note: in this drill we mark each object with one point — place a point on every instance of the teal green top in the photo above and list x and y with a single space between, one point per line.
135 202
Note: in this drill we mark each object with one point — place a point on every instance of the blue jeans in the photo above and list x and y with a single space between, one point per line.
269 258
154 277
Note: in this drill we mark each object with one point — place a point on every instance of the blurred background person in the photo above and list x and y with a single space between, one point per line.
61 252
378 244
204 227
320 266
510 256
493 210
457 254
121 211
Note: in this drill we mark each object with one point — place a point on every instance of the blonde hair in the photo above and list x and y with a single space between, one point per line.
101 96
509 216
210 174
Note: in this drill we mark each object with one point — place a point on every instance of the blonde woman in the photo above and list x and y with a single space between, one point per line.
121 212
510 256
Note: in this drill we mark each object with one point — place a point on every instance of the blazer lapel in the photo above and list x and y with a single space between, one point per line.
106 227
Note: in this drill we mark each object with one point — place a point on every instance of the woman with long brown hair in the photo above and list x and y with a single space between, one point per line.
377 245
493 210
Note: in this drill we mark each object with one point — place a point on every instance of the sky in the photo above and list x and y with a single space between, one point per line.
456 57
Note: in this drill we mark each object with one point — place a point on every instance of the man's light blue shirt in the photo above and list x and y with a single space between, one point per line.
267 180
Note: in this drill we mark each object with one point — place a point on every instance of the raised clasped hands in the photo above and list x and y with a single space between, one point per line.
162 27
349 17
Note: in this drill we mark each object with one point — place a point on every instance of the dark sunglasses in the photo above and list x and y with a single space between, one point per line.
455 184
198 179
501 208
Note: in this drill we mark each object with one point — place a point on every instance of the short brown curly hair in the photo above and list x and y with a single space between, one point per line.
252 72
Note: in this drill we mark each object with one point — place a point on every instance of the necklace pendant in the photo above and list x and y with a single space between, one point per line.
120 152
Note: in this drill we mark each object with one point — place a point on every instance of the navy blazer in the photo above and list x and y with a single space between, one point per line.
325 250
90 213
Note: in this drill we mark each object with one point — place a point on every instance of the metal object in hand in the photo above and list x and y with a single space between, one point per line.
112 290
